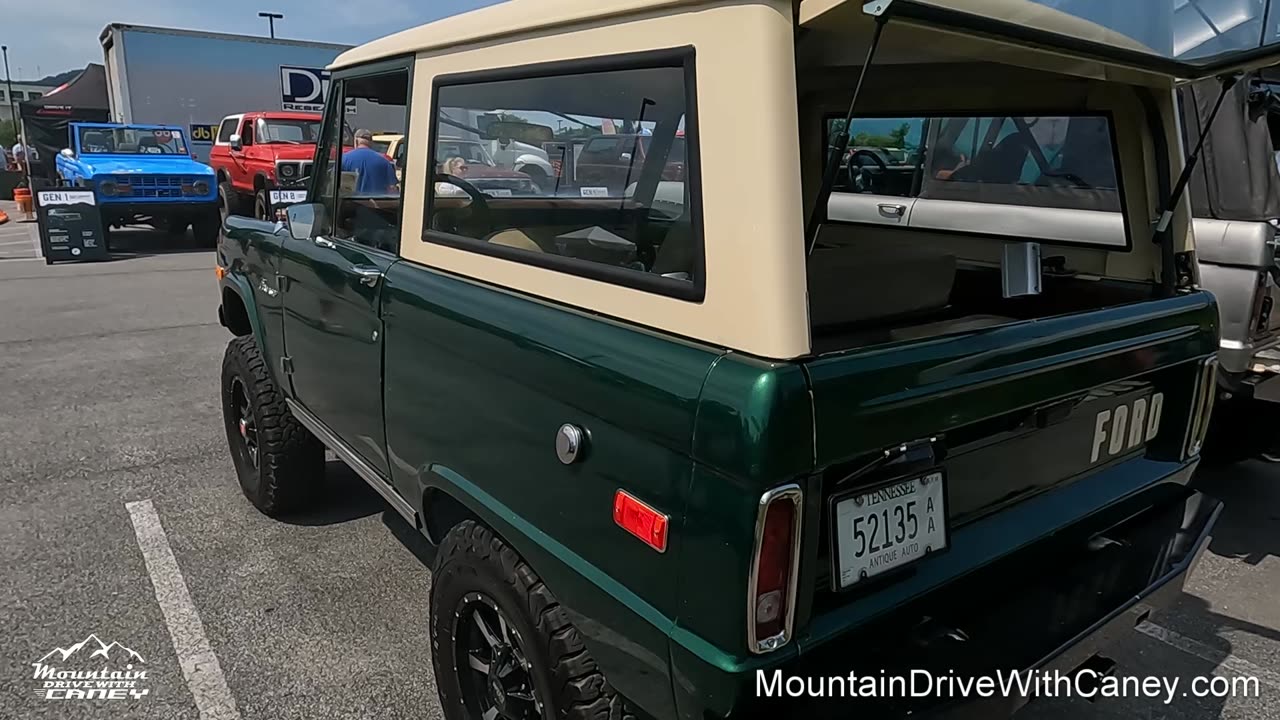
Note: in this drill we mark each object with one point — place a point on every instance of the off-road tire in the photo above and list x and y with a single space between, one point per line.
228 199
290 460
262 206
472 559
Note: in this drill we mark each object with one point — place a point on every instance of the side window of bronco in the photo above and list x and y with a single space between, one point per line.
369 187
589 169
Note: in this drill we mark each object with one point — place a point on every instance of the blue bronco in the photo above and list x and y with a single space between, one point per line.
143 174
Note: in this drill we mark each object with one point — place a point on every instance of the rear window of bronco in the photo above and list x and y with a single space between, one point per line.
1064 162
533 186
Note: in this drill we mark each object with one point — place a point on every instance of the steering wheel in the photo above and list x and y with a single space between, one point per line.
861 177
479 219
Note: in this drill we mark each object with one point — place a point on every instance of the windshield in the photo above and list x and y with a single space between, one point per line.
131 141
298 132
472 152
1192 31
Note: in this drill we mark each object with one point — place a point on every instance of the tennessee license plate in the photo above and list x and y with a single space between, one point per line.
890 526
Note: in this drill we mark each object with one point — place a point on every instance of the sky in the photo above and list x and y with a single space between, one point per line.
49 36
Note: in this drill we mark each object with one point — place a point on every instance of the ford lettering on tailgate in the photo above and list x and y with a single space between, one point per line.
1126 426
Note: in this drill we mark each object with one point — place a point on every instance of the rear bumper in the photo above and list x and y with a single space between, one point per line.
1049 608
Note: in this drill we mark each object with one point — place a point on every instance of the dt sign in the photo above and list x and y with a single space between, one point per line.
203 133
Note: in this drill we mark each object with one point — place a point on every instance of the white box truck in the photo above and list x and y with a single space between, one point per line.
194 79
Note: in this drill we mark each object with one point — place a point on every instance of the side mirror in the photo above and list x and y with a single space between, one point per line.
67 153
305 220
235 141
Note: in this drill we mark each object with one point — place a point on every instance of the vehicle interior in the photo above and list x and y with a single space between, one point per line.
621 218
995 136
371 215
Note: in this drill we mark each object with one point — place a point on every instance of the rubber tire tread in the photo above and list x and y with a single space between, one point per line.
579 688
290 458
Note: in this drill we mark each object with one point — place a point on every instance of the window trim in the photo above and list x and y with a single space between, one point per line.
1124 210
337 98
683 57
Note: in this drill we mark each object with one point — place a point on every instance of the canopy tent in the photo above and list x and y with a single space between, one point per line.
1237 178
45 119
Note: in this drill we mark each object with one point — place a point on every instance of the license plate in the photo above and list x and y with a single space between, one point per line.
497 192
890 526
288 197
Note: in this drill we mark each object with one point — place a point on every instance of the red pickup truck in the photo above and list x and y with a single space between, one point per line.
257 151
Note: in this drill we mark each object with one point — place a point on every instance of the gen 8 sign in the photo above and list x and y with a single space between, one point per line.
305 89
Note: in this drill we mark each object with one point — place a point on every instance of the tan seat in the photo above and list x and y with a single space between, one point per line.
515 238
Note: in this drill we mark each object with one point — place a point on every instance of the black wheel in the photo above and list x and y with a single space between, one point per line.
261 205
228 199
501 645
276 459
206 229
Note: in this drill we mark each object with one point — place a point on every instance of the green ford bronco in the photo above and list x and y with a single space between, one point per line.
686 436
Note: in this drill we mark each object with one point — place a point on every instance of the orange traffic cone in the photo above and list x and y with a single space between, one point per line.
4 217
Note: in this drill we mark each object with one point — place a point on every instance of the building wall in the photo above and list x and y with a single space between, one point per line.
27 91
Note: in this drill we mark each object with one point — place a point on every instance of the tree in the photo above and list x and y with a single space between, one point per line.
8 133
899 135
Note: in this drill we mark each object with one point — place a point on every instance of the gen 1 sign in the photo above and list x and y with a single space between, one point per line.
70 226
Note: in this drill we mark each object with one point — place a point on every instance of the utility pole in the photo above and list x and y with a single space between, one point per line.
271 21
13 108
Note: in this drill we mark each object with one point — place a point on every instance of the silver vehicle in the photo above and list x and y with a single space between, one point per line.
1235 196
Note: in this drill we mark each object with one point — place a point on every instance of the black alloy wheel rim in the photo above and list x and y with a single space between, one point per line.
491 663
245 425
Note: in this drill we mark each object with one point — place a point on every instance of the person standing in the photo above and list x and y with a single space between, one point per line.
375 174
23 156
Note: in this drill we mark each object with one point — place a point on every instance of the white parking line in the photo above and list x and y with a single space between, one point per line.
199 664
1222 659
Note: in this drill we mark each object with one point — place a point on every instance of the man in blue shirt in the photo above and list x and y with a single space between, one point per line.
375 174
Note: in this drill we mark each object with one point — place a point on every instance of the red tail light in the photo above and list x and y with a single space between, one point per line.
772 592
640 520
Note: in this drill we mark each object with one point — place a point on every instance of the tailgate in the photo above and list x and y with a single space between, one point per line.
1002 414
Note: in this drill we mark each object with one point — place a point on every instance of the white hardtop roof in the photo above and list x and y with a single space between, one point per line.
1158 36
507 18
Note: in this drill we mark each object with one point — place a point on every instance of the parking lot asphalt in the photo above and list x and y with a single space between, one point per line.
120 517
18 239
